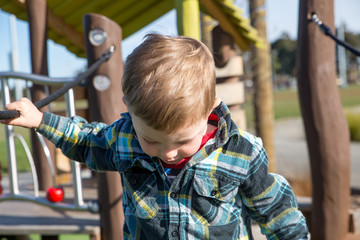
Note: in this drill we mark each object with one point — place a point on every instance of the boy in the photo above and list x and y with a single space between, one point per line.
187 171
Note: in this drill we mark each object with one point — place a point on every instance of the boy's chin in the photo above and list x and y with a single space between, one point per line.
170 161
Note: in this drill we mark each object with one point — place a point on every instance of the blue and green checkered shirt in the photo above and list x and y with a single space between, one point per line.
215 196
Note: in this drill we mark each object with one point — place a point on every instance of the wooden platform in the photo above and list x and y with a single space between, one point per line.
22 218
19 218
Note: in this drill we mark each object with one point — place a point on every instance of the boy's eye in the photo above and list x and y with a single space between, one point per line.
185 142
149 141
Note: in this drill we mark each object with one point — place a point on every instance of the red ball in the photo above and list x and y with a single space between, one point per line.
55 194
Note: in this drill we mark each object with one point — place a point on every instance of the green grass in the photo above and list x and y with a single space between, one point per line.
286 103
22 162
353 119
63 237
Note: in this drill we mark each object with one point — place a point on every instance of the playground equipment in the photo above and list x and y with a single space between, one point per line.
15 194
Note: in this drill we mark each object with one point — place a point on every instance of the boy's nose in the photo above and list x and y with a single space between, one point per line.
169 154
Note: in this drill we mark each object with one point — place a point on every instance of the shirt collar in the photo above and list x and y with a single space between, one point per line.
226 127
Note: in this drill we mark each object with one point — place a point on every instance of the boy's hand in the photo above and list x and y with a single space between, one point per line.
30 116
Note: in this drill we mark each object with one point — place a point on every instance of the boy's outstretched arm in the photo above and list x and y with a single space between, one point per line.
30 116
271 201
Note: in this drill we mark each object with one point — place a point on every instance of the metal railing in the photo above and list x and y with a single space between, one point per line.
15 194
68 83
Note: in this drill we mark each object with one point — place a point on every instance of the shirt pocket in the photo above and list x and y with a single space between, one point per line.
214 198
142 192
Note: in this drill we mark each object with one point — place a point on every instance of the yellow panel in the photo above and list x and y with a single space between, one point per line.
140 7
116 7
52 3
132 15
91 7
66 7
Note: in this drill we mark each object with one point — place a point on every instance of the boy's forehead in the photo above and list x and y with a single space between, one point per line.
184 133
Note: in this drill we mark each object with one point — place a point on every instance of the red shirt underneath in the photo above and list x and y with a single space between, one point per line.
204 140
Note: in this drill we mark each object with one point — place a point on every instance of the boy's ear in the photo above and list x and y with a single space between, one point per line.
217 101
124 100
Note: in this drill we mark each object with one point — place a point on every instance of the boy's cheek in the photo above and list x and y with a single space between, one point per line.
149 150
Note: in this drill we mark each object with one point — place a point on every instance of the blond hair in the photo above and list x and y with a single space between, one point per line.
169 82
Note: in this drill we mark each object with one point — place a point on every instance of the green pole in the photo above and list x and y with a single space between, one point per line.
188 18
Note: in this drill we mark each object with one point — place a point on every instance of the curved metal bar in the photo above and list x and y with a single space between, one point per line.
10 144
36 78
31 162
45 101
48 156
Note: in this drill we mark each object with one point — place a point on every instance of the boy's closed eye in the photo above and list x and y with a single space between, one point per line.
182 142
149 141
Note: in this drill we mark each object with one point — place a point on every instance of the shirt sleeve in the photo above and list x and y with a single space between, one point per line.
270 200
90 143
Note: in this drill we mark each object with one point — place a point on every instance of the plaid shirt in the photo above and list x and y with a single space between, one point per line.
223 186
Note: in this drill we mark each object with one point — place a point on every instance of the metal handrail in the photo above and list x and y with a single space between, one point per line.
10 114
69 83
15 193
36 78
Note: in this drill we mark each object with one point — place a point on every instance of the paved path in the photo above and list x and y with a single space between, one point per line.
292 154
293 159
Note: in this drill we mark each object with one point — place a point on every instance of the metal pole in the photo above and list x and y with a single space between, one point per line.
15 56
75 166
342 56
10 143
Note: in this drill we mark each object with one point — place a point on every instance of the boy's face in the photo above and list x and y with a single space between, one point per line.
170 148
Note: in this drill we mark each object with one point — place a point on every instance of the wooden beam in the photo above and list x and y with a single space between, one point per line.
58 25
215 10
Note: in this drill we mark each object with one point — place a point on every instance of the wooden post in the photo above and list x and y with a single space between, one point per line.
263 94
229 67
207 25
188 18
37 12
105 105
37 17
326 128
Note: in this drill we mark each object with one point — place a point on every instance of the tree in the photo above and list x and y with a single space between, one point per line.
285 55
263 98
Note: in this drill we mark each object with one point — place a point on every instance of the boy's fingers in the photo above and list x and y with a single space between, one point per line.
18 105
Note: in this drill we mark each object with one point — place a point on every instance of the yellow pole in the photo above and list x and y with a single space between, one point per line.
188 18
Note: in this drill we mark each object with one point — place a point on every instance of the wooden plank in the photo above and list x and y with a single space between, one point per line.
233 68
20 218
355 221
215 10
231 93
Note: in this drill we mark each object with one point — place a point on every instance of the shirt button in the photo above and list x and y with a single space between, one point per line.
133 180
213 192
173 195
175 234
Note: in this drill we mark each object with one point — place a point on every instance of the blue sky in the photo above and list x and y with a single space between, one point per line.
282 16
